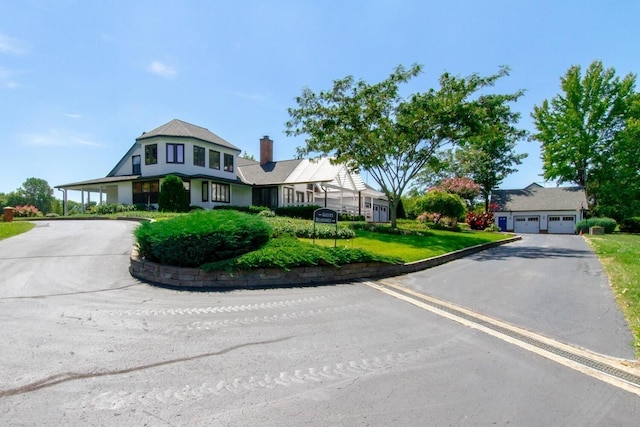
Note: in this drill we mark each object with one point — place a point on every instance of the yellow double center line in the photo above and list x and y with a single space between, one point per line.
624 374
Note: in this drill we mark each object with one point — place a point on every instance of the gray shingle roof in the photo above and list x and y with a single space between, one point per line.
538 198
268 174
181 129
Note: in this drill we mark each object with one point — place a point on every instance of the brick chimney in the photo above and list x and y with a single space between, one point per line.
266 150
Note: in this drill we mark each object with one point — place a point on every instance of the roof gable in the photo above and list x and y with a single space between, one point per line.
180 129
537 198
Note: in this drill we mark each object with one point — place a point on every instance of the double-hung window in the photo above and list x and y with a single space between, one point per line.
228 162
198 156
288 195
175 153
214 159
151 154
135 165
205 191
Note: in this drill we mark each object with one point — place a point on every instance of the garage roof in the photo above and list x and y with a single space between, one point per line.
538 198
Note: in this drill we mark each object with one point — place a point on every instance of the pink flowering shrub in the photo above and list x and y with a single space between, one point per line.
466 188
27 211
479 221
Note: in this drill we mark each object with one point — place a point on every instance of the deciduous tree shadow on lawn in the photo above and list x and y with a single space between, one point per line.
529 252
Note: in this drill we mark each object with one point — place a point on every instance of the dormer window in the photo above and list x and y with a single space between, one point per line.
175 153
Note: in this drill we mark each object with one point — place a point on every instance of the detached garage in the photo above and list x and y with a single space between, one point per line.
536 209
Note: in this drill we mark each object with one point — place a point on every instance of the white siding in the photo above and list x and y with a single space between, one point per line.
543 220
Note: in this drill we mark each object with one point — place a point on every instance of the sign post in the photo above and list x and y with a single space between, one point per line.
325 216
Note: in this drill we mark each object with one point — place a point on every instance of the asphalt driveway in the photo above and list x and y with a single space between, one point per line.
84 343
550 284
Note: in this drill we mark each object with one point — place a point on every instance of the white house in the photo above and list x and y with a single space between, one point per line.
215 174
536 209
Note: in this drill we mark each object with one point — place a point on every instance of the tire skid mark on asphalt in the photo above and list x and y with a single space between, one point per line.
212 310
217 324
118 399
64 377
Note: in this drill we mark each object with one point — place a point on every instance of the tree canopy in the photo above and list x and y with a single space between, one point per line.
371 127
34 192
586 132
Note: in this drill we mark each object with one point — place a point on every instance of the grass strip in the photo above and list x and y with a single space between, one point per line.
620 257
10 229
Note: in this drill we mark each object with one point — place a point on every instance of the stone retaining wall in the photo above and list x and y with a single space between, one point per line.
190 278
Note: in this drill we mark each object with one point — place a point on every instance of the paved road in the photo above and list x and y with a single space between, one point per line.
551 284
83 343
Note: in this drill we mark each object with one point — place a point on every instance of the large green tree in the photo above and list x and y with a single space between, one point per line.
372 127
581 130
618 184
36 192
488 156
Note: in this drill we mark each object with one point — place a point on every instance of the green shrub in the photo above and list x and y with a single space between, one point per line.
608 224
442 204
173 196
112 208
200 237
247 209
386 229
142 207
492 228
300 212
304 229
287 252
630 225
349 217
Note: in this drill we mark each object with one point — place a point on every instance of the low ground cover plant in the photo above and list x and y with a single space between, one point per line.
200 237
287 252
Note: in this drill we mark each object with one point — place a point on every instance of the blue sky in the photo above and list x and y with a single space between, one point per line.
80 80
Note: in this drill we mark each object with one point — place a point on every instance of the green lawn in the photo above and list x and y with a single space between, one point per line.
10 229
620 256
414 247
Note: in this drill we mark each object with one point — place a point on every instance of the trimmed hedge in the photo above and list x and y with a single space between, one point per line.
282 226
630 225
201 237
248 209
301 212
608 224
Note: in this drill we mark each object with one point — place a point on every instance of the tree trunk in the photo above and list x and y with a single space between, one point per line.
393 207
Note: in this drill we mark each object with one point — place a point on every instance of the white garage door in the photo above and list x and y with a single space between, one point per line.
526 224
561 224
